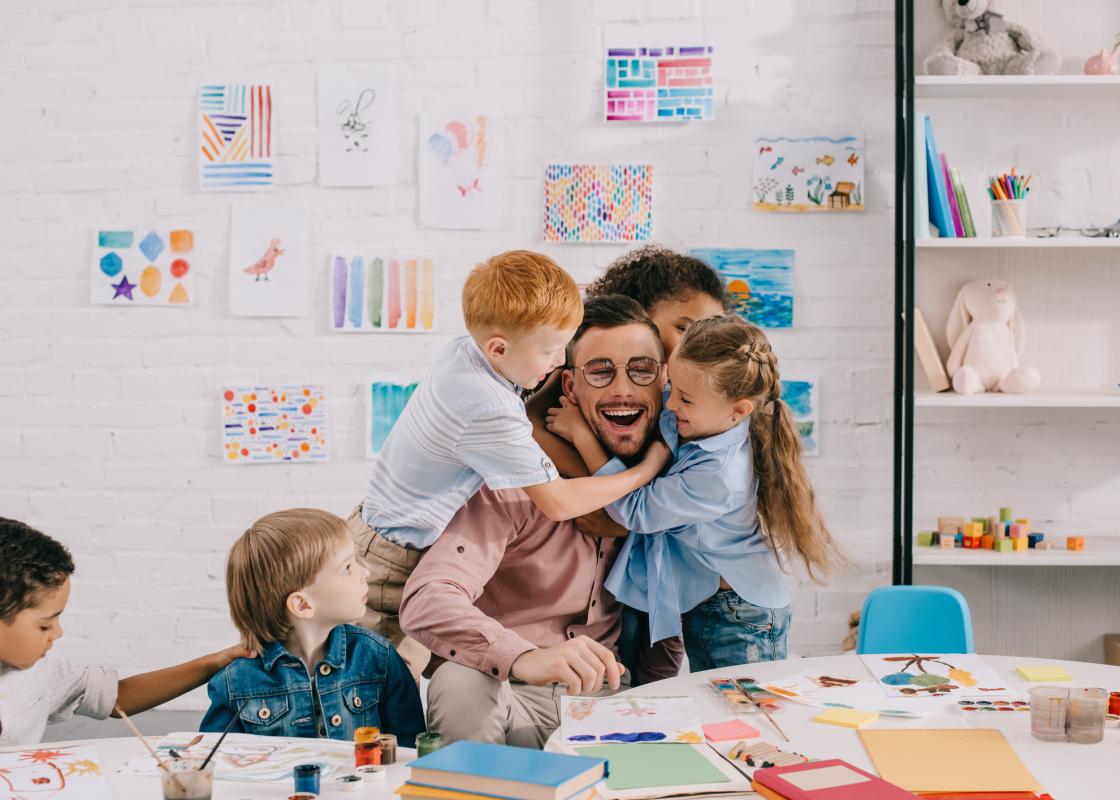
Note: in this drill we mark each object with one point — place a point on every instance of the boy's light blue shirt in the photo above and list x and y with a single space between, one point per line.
465 425
690 526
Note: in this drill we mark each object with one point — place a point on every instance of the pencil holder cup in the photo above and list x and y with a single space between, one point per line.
1049 710
1087 708
1009 218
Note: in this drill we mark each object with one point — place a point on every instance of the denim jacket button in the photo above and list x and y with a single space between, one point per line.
264 713
357 701
324 669
336 720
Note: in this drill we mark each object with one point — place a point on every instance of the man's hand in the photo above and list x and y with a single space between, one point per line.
580 663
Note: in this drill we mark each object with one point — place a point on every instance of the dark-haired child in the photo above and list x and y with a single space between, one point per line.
37 686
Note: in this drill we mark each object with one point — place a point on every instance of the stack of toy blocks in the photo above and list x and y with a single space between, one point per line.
1003 534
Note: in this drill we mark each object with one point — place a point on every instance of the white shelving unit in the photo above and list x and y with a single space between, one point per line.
997 86
951 399
1100 551
1010 243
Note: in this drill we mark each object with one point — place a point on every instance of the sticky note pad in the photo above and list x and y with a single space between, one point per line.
726 731
846 717
1037 673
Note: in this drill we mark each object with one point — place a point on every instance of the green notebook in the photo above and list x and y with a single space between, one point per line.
962 204
647 765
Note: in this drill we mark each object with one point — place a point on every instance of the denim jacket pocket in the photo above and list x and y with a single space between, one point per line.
361 700
266 716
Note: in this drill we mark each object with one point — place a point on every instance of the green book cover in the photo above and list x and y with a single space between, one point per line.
962 204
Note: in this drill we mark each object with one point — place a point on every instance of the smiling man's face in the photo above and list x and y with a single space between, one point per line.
622 414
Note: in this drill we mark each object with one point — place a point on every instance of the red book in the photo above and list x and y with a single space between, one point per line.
834 779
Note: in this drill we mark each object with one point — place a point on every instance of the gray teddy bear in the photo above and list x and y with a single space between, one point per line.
984 43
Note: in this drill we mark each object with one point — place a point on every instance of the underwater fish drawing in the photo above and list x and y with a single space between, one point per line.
797 171
826 160
765 149
853 159
778 163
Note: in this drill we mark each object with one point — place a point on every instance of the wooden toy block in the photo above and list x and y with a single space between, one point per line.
986 542
958 540
979 528
982 522
1075 543
1016 530
1005 514
925 538
1020 543
993 525
1033 539
1045 546
948 542
1003 545
949 525
1025 522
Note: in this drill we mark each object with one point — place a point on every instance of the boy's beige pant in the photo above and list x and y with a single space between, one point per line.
389 566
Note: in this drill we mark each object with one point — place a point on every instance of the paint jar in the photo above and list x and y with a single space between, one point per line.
1087 708
1114 703
1009 218
388 749
306 778
352 783
183 780
1049 707
367 746
428 743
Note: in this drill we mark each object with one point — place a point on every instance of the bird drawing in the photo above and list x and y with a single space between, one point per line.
266 263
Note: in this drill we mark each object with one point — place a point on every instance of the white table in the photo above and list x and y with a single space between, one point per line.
1067 771
115 752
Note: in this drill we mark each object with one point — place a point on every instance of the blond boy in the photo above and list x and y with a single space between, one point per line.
465 426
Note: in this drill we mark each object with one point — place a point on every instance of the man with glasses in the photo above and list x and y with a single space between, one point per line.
512 604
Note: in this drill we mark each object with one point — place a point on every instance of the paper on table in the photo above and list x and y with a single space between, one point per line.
73 771
947 760
670 768
629 719
1037 673
823 690
914 674
734 729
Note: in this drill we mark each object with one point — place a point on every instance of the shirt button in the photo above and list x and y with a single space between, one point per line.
571 635
460 549
264 713
494 670
453 654
336 720
593 604
324 669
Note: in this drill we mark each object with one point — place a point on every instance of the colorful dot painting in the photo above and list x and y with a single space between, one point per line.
598 202
142 267
274 424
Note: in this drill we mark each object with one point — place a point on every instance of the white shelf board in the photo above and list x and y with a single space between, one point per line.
1100 551
1052 399
1017 86
1009 242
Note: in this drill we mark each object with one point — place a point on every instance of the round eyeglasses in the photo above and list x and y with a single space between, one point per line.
641 370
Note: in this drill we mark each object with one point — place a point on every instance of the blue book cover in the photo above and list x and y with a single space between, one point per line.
921 180
515 764
939 212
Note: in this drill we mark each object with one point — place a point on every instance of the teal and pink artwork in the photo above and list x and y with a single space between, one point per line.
382 294
801 397
659 84
386 400
759 283
235 147
808 173
598 202
933 675
142 267
279 424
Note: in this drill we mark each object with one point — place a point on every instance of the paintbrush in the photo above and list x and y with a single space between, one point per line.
229 727
765 713
148 747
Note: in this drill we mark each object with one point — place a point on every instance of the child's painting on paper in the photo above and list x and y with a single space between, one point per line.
235 127
53 773
358 127
808 173
801 397
270 244
382 294
461 185
759 283
142 267
914 675
386 402
629 719
274 424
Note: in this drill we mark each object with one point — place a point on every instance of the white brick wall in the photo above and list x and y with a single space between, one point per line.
108 435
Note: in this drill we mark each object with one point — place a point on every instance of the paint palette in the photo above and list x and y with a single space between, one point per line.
993 705
738 693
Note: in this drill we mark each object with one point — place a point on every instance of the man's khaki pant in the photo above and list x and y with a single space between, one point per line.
464 703
389 566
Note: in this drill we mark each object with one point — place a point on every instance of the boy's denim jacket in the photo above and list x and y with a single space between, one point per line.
361 681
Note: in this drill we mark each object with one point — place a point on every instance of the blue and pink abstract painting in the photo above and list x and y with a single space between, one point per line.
759 283
658 84
801 396
598 202
235 124
386 402
274 424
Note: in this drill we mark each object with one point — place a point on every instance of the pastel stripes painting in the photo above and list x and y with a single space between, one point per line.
235 137
382 294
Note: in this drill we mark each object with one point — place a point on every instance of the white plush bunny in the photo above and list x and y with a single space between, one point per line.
985 332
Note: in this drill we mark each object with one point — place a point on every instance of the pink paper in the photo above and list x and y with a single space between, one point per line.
726 731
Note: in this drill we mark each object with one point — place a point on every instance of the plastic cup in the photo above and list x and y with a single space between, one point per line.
1049 709
1009 218
183 780
1087 708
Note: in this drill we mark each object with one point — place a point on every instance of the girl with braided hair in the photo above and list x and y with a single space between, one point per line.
716 526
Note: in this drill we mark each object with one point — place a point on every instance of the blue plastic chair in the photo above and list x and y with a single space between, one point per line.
915 619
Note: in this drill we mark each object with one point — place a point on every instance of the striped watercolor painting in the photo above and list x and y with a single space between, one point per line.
382 294
235 137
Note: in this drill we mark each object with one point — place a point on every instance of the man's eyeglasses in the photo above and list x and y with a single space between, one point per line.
600 372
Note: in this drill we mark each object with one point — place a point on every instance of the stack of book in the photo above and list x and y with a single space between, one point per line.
477 771
940 198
